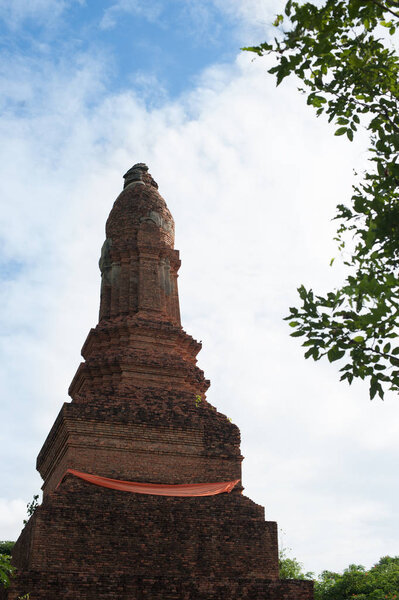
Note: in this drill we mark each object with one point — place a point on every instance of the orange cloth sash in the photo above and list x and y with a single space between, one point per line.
157 489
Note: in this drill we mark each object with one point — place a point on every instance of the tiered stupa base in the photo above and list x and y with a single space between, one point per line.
91 543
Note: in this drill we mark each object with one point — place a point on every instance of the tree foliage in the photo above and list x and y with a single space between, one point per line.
343 53
6 570
381 582
6 547
291 568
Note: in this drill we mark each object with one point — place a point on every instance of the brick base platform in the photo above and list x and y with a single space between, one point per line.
90 543
140 542
76 586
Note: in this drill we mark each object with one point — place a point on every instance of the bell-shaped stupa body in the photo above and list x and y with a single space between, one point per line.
138 261
139 414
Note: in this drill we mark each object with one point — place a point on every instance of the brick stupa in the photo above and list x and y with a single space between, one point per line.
139 413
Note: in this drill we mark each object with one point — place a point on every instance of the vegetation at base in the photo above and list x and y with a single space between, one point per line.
6 569
343 53
6 547
291 568
381 582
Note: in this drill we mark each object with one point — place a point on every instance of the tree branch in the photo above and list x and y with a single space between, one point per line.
385 8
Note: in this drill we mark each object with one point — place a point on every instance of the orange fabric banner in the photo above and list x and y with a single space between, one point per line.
157 489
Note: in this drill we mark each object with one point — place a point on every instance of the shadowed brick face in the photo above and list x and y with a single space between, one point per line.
139 413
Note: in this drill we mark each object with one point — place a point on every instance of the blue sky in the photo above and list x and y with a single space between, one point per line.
157 48
252 178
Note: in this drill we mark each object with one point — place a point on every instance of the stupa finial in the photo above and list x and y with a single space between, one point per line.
135 174
139 174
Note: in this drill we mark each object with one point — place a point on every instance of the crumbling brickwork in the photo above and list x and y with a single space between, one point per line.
139 413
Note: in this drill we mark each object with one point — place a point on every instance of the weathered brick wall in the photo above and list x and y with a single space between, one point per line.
146 435
85 527
21 552
290 589
146 546
73 586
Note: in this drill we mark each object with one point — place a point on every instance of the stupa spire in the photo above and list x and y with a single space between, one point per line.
138 262
139 338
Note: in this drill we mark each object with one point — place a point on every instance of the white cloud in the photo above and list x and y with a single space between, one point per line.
43 12
253 17
252 180
249 19
149 10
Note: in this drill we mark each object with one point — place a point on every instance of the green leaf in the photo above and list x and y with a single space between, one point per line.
287 9
278 20
264 48
358 339
335 354
341 131
297 333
